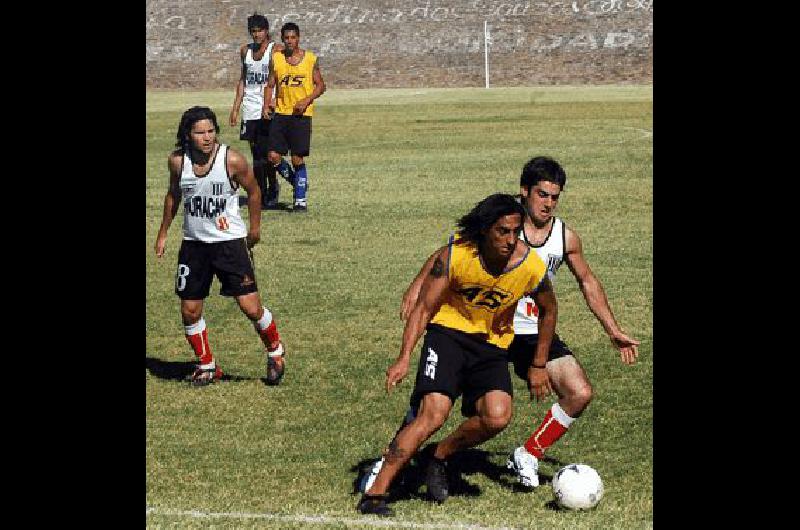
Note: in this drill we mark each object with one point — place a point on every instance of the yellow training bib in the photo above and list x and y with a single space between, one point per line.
477 302
294 82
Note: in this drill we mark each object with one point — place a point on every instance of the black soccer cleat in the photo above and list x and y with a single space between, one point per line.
300 208
436 480
374 505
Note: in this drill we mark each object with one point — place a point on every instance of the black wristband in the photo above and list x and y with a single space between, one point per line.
543 366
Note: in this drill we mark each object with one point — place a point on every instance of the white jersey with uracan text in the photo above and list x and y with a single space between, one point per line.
255 79
526 317
211 202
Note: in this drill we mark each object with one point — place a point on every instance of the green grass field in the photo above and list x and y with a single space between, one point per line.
390 172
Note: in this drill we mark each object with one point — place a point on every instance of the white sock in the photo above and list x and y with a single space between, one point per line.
560 416
265 320
197 327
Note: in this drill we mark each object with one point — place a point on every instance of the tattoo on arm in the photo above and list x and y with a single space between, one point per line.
395 453
437 271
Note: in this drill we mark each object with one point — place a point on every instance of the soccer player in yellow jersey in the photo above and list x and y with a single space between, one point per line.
541 182
467 307
296 74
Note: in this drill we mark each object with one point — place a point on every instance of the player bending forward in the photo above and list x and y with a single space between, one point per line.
541 183
466 306
216 241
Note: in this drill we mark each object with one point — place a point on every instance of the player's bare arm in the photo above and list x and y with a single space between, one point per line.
412 293
171 200
538 379
596 299
269 104
433 290
319 89
237 99
240 171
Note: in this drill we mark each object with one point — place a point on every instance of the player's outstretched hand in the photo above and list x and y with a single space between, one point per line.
233 120
626 346
539 383
395 373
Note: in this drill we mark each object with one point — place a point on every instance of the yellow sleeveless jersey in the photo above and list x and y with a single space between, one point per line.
477 302
294 82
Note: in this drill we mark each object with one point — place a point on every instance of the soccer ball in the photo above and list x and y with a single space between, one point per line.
577 487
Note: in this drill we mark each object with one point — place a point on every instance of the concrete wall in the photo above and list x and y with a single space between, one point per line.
411 43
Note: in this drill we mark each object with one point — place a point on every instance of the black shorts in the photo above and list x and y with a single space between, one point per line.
290 133
198 262
454 363
256 132
524 346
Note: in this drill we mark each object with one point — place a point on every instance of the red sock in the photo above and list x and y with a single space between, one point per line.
197 336
267 330
270 336
549 431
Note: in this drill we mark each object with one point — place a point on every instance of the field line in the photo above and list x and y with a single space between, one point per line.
322 519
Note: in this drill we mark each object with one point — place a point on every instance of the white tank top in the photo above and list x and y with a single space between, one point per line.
255 78
552 253
211 202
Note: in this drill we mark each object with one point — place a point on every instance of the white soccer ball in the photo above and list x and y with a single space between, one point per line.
577 487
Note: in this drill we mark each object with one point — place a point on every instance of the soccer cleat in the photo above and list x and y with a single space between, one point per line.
366 481
374 505
526 466
436 480
206 376
300 208
275 367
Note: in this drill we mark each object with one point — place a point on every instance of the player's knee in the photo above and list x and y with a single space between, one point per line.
583 395
190 315
495 418
252 310
432 418
250 305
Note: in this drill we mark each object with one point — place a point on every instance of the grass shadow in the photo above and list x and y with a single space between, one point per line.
409 483
281 206
181 370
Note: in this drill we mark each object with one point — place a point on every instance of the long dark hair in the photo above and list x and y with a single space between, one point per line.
486 213
189 118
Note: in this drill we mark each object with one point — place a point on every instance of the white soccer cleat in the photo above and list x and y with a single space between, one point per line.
526 466
366 481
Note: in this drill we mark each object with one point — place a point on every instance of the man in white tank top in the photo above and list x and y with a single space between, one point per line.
255 62
541 183
207 175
